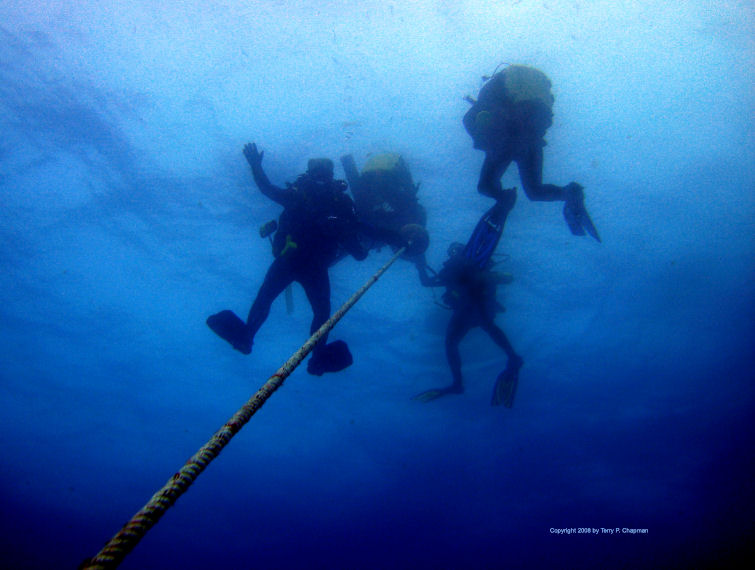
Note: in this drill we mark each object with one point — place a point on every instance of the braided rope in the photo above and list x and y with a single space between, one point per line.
132 532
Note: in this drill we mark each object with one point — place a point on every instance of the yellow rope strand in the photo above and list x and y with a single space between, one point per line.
132 532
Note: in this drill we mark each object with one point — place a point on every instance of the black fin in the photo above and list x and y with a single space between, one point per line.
333 357
231 329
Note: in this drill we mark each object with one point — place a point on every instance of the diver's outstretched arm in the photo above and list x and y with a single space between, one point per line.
254 158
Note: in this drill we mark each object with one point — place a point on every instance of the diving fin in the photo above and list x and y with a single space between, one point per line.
506 384
231 329
576 214
435 393
572 220
483 241
588 225
429 395
333 357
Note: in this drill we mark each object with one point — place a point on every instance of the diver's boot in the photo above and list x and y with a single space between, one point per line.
515 362
495 193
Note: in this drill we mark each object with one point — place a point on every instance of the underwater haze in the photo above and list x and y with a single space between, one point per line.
128 215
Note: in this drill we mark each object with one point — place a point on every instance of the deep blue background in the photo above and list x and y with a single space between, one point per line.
128 214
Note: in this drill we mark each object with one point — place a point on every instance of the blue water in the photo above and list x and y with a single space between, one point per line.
128 215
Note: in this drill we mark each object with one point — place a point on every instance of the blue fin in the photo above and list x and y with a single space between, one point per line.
506 384
483 242
435 393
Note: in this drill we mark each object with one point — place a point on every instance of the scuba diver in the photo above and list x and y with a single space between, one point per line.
508 121
471 294
385 198
318 220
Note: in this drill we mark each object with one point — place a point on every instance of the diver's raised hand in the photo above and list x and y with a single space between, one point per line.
253 156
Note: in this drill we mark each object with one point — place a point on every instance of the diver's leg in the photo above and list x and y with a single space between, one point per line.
493 167
530 164
316 283
457 327
457 330
500 338
505 203
335 356
506 383
278 277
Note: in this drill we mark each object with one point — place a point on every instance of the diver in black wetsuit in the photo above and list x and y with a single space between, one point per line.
471 294
508 121
317 221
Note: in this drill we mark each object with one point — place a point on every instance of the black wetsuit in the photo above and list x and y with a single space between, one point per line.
471 288
510 132
385 202
317 221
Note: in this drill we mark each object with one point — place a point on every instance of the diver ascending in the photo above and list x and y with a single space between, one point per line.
471 294
318 219
508 121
